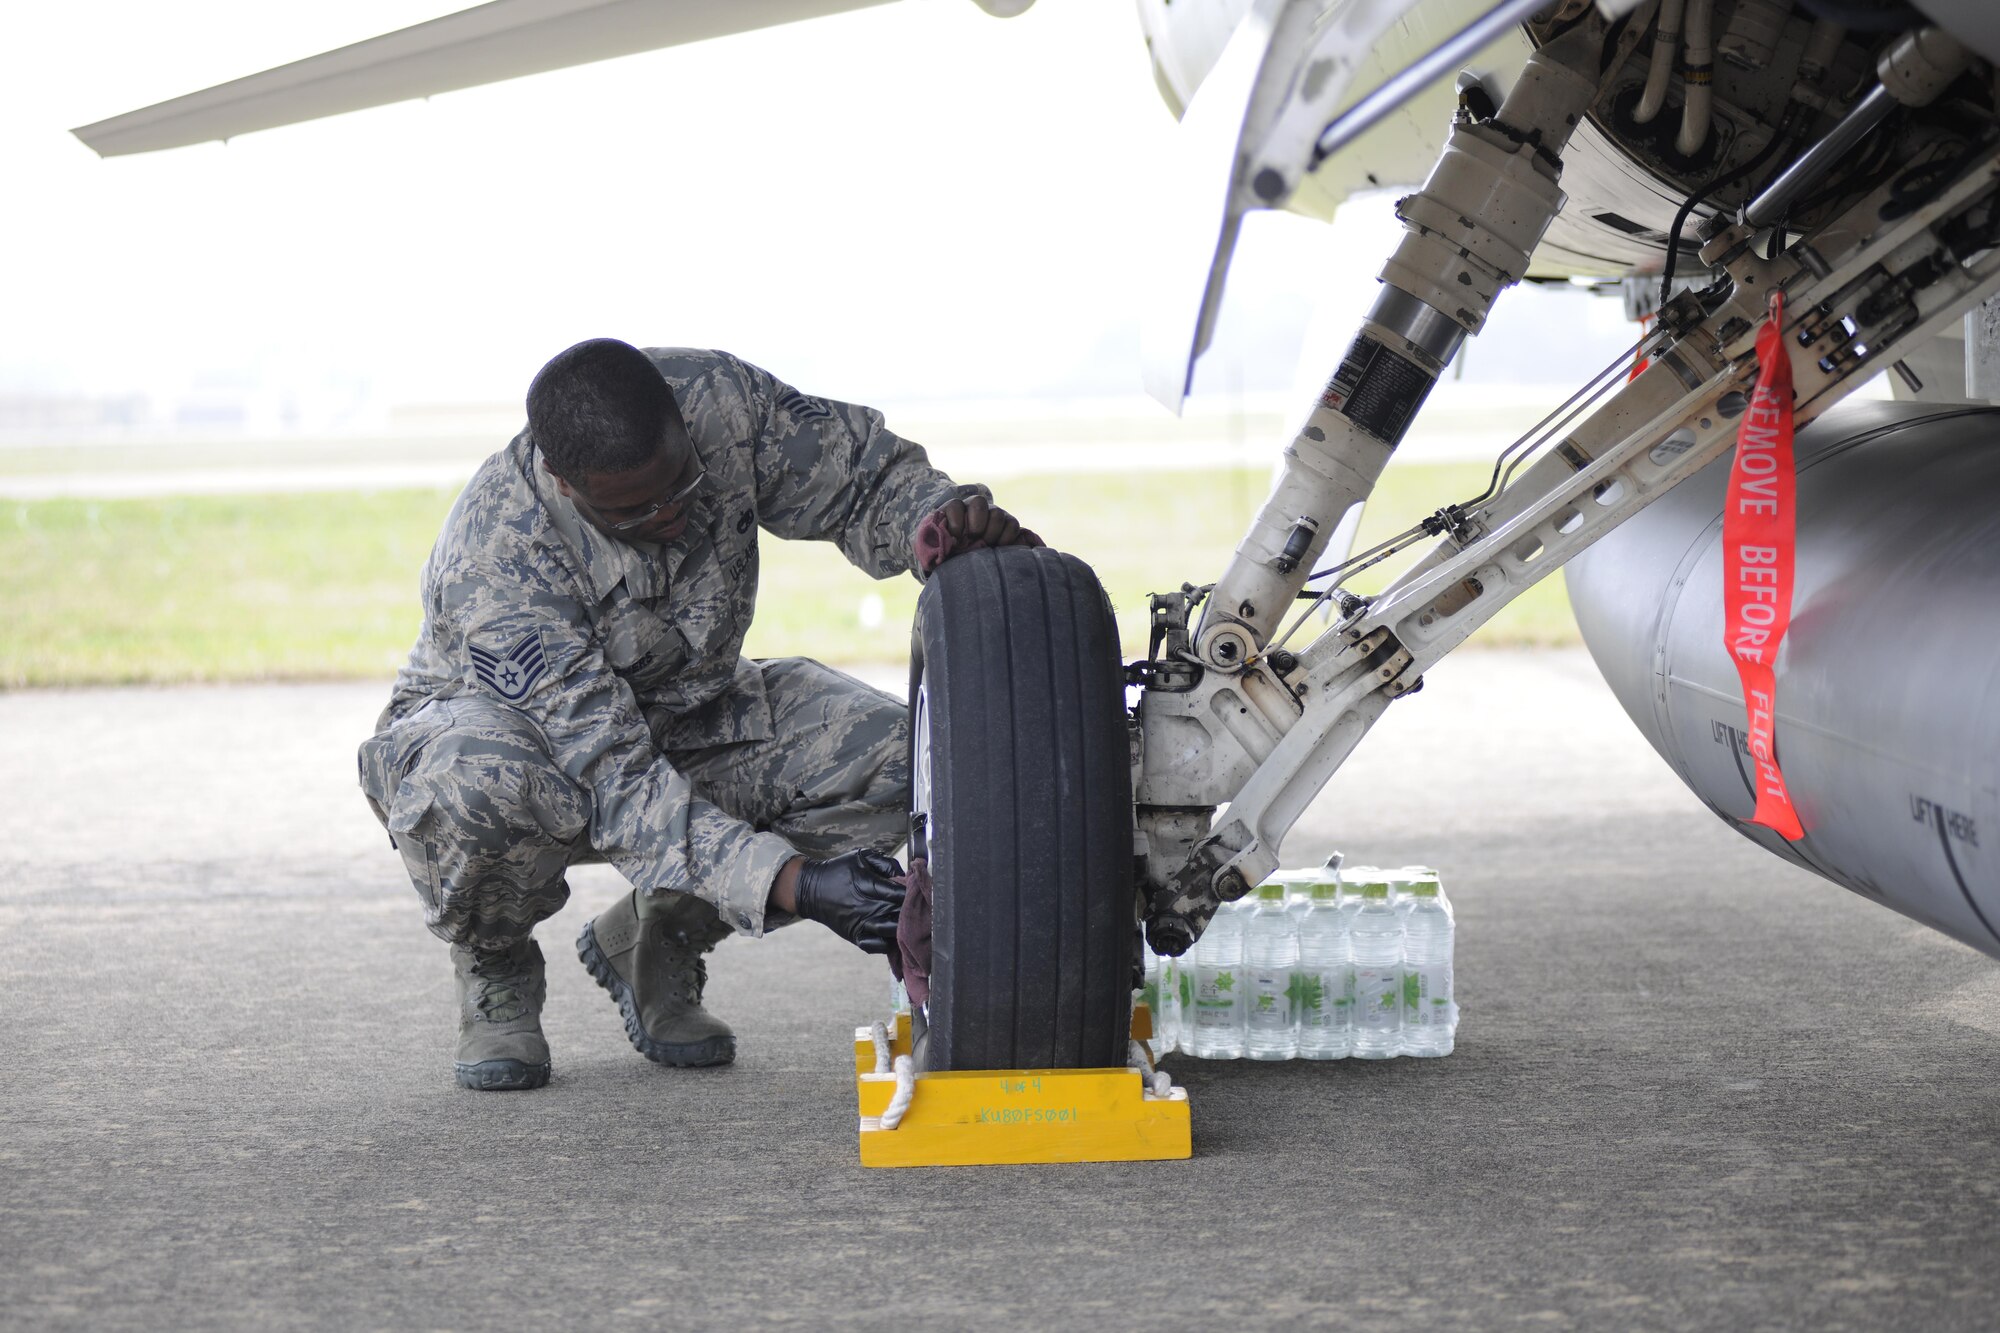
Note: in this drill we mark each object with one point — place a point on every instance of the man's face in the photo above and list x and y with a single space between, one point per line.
650 503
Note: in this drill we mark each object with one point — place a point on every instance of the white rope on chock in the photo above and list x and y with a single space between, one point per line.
880 1033
1154 1079
906 1088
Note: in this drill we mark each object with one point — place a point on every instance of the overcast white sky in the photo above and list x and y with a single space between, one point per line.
909 202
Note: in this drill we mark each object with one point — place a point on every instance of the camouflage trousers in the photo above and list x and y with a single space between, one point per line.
487 824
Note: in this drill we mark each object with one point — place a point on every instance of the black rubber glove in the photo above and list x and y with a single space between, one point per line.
856 896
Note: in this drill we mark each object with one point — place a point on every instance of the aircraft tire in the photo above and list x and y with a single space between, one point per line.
1021 771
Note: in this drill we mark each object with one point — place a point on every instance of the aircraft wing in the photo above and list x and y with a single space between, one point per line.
501 40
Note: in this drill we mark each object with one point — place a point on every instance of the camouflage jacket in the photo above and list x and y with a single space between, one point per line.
622 652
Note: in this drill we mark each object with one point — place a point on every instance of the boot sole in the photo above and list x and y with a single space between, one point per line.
502 1075
680 1055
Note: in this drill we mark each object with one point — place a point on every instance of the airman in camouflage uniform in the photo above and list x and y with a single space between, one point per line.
578 692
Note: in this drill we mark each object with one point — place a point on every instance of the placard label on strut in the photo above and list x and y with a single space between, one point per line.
1379 390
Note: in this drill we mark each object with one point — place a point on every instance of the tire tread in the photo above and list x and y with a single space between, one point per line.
1031 787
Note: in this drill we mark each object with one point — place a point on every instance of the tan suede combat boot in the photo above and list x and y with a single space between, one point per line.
500 994
647 951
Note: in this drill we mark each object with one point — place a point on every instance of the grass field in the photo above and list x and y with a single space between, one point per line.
320 586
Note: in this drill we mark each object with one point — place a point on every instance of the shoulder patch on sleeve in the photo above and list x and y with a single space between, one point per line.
513 671
802 408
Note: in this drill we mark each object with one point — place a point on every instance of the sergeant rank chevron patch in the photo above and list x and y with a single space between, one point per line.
513 673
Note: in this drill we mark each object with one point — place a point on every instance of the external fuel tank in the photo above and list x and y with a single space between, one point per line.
1888 684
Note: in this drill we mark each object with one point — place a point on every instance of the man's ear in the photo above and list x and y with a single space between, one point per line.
557 477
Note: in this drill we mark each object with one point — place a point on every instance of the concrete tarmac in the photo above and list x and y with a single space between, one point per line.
1694 1086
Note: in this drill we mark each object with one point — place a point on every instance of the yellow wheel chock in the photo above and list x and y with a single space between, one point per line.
1005 1117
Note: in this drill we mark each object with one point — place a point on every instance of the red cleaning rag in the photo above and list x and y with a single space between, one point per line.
935 544
911 961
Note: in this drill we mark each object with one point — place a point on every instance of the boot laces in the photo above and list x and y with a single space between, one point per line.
504 989
684 956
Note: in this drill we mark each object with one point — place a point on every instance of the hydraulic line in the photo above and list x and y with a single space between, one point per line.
1730 177
1666 46
1557 421
1699 75
1373 556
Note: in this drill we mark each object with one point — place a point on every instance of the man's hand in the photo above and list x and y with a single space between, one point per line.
958 526
856 896
977 522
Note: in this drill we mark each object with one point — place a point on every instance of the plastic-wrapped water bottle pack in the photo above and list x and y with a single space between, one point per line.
1314 965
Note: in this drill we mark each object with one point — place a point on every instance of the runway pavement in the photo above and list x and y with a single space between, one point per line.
1694 1086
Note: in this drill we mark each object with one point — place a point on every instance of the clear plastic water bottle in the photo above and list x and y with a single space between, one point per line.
899 996
1350 888
1399 880
1326 977
1213 1026
1271 950
1378 974
1299 891
1430 1011
1298 894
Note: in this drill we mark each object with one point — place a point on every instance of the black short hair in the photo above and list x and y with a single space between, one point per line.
600 406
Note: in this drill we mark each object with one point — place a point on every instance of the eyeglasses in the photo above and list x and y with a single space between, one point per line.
634 524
